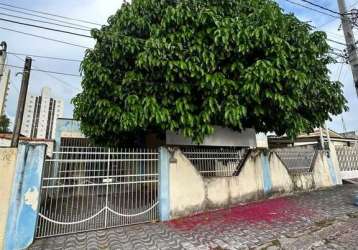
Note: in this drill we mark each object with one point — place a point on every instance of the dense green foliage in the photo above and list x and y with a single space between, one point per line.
4 124
186 65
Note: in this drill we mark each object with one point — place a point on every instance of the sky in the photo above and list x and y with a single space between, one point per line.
98 11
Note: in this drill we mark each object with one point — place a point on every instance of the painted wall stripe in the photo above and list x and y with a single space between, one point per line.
24 202
266 172
332 171
164 202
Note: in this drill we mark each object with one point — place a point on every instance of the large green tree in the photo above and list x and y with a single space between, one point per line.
187 65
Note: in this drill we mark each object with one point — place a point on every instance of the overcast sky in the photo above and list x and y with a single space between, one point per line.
98 11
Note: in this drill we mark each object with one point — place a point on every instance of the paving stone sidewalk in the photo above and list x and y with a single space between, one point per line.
325 219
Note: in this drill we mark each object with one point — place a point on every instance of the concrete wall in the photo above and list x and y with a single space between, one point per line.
7 172
281 178
303 181
321 172
186 187
5 142
24 200
262 175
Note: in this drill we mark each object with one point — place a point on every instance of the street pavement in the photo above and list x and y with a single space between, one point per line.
324 219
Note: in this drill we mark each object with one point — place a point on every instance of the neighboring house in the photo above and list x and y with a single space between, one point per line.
4 89
223 137
41 114
70 135
5 141
311 139
351 134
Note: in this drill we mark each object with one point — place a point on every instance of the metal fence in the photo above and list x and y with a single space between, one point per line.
297 159
347 158
87 188
216 161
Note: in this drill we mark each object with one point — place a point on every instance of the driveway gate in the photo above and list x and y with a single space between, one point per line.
95 188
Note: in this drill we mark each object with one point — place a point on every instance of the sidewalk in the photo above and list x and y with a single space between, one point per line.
325 219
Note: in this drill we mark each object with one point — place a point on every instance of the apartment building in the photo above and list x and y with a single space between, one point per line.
4 89
40 115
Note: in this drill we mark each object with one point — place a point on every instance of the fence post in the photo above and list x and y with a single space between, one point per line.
25 197
164 202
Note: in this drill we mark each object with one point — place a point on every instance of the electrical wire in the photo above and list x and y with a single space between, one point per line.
42 70
50 14
45 57
47 18
324 24
322 7
46 38
304 6
337 42
42 21
69 86
45 28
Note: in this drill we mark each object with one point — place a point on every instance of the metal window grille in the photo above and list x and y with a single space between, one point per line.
75 142
87 188
347 158
215 161
297 159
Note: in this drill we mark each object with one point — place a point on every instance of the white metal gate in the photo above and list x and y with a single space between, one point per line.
95 188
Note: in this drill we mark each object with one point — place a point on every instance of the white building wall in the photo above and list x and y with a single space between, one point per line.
28 115
30 109
4 89
58 114
43 119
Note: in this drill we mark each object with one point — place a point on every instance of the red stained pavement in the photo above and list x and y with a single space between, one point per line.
273 210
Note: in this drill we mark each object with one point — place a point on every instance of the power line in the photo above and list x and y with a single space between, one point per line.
69 86
50 14
304 6
47 18
42 70
46 38
334 34
337 42
45 57
45 28
324 24
42 21
321 7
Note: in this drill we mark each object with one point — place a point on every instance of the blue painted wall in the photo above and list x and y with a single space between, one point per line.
24 202
164 202
332 171
266 172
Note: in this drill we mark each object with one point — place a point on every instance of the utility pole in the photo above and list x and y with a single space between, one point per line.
2 58
21 102
350 41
